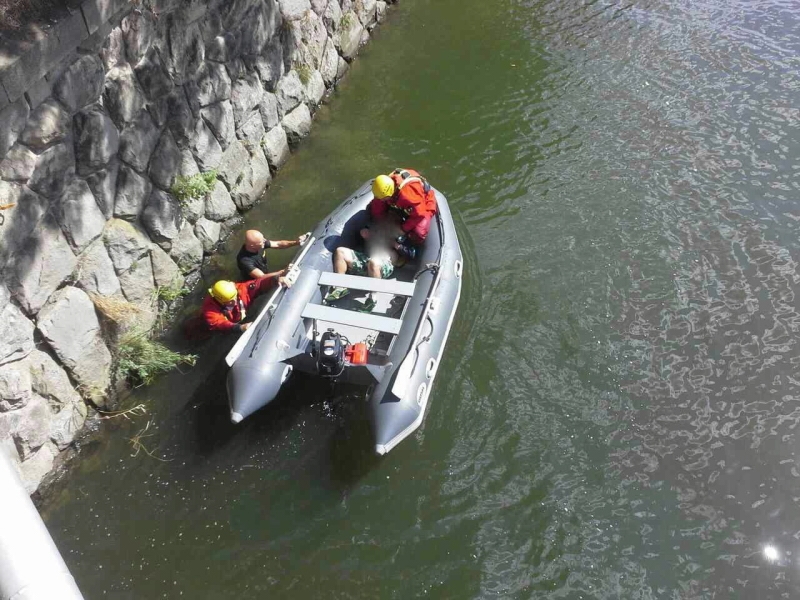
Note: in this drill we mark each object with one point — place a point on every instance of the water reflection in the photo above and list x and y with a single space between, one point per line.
617 410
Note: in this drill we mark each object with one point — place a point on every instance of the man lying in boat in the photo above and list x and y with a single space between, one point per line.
227 302
379 259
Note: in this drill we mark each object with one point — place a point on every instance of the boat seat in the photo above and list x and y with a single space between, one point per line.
349 317
367 284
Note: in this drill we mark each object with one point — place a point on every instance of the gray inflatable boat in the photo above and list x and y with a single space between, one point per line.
387 334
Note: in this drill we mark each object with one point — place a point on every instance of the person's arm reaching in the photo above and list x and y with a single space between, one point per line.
281 244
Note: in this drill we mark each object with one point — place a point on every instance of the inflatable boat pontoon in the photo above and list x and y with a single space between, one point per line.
395 348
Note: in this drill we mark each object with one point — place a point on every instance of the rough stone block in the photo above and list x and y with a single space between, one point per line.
18 164
219 204
69 324
81 84
308 37
223 48
14 117
207 232
233 163
71 31
152 75
97 12
181 120
20 75
48 124
381 10
138 285
166 161
246 95
112 51
252 130
348 38
42 262
294 9
126 243
314 89
205 147
213 84
54 167
162 218
187 250
33 470
269 110
15 386
219 118
192 209
182 49
4 99
342 68
95 271
96 139
21 219
330 12
276 147
138 140
270 64
79 216
16 331
289 93
328 67
297 124
165 272
138 31
257 28
104 187
50 381
366 11
133 190
30 427
121 95
255 179
38 92
66 423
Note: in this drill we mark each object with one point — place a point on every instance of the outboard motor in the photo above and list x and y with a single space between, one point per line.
330 360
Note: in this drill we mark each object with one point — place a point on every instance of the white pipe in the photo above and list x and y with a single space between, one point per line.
31 567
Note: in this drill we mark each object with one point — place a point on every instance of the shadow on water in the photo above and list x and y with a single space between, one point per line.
326 425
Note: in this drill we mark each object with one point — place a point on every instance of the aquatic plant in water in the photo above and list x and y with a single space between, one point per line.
140 358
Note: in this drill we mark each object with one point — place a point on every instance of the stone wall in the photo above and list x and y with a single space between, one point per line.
98 116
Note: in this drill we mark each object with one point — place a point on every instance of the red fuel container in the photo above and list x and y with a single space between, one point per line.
356 354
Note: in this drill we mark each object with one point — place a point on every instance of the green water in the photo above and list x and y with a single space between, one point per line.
615 415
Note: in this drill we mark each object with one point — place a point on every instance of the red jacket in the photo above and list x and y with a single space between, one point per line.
219 318
412 196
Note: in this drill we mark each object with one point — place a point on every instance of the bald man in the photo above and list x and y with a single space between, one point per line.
252 259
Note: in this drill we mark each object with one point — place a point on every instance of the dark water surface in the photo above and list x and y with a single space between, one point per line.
617 410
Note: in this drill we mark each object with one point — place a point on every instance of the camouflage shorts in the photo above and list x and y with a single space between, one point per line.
359 265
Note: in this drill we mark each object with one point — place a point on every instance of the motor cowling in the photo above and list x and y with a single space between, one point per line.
330 360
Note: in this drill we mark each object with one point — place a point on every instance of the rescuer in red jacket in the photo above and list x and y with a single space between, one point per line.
407 193
226 304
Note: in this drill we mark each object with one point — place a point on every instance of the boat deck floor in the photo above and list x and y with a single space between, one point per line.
386 305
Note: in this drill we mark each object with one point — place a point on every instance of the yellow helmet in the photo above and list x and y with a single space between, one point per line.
223 291
382 187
